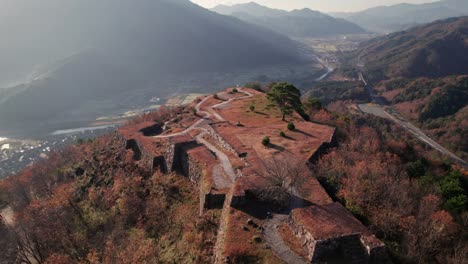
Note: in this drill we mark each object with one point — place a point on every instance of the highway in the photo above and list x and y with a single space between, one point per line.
379 109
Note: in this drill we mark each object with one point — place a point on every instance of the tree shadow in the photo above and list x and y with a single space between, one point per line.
263 210
260 113
296 202
304 133
274 146
288 137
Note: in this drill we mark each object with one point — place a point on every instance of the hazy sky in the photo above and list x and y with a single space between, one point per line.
321 5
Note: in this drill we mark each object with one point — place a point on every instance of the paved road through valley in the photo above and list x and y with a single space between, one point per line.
379 109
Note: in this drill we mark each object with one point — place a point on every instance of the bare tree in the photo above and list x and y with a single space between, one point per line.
286 173
8 248
283 176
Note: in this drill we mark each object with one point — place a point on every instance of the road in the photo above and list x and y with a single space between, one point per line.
329 70
379 109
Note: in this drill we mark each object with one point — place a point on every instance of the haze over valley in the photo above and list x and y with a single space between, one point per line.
100 60
231 132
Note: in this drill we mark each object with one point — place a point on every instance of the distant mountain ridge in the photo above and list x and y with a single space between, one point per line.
435 50
398 17
123 46
297 23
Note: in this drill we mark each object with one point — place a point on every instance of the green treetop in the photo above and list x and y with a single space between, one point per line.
287 97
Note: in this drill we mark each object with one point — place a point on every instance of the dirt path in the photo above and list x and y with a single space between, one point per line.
205 115
222 158
276 242
216 106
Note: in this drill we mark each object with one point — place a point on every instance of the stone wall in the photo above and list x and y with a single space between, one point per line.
194 170
221 142
142 157
133 145
213 200
323 148
170 150
177 157
375 249
159 164
350 247
120 143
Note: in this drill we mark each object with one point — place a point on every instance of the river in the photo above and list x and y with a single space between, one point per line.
79 130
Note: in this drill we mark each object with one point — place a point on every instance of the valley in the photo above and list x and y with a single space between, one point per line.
177 131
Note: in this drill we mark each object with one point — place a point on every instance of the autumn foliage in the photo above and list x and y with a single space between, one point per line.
88 204
369 173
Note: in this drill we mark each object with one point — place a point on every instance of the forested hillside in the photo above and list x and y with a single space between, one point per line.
440 106
385 19
433 50
91 203
297 23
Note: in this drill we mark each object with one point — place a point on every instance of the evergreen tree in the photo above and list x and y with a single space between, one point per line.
287 97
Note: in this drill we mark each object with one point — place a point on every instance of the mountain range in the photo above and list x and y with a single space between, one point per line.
435 50
384 19
81 58
296 23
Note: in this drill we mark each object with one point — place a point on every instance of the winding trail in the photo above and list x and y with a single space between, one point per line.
196 125
223 158
205 115
229 176
219 117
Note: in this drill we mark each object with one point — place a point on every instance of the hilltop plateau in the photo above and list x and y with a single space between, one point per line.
240 176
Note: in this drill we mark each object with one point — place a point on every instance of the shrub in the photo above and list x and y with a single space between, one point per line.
291 126
215 96
235 90
453 191
313 103
266 141
252 108
282 134
257 239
